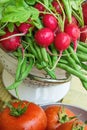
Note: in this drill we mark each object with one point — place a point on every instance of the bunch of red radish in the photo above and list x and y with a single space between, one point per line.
12 40
72 32
50 33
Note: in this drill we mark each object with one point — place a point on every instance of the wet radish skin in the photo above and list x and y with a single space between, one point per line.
62 41
74 21
74 32
24 27
83 35
50 21
56 6
84 9
12 43
39 6
44 37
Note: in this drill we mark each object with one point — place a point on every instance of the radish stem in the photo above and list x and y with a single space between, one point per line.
14 35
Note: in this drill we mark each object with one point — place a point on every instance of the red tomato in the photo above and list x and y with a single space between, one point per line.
85 127
82 124
34 118
55 116
73 125
66 126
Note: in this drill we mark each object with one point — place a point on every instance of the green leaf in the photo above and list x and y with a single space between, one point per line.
30 2
2 32
74 4
38 23
46 2
34 13
13 14
20 14
1 9
4 1
10 27
20 3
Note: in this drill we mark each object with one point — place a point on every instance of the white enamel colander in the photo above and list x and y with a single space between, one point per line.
36 87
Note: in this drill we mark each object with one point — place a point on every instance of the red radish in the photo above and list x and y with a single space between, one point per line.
56 6
44 37
61 42
24 27
10 44
50 21
74 21
39 6
83 34
84 9
74 32
57 30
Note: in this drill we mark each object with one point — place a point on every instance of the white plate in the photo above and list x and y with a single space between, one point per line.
35 91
